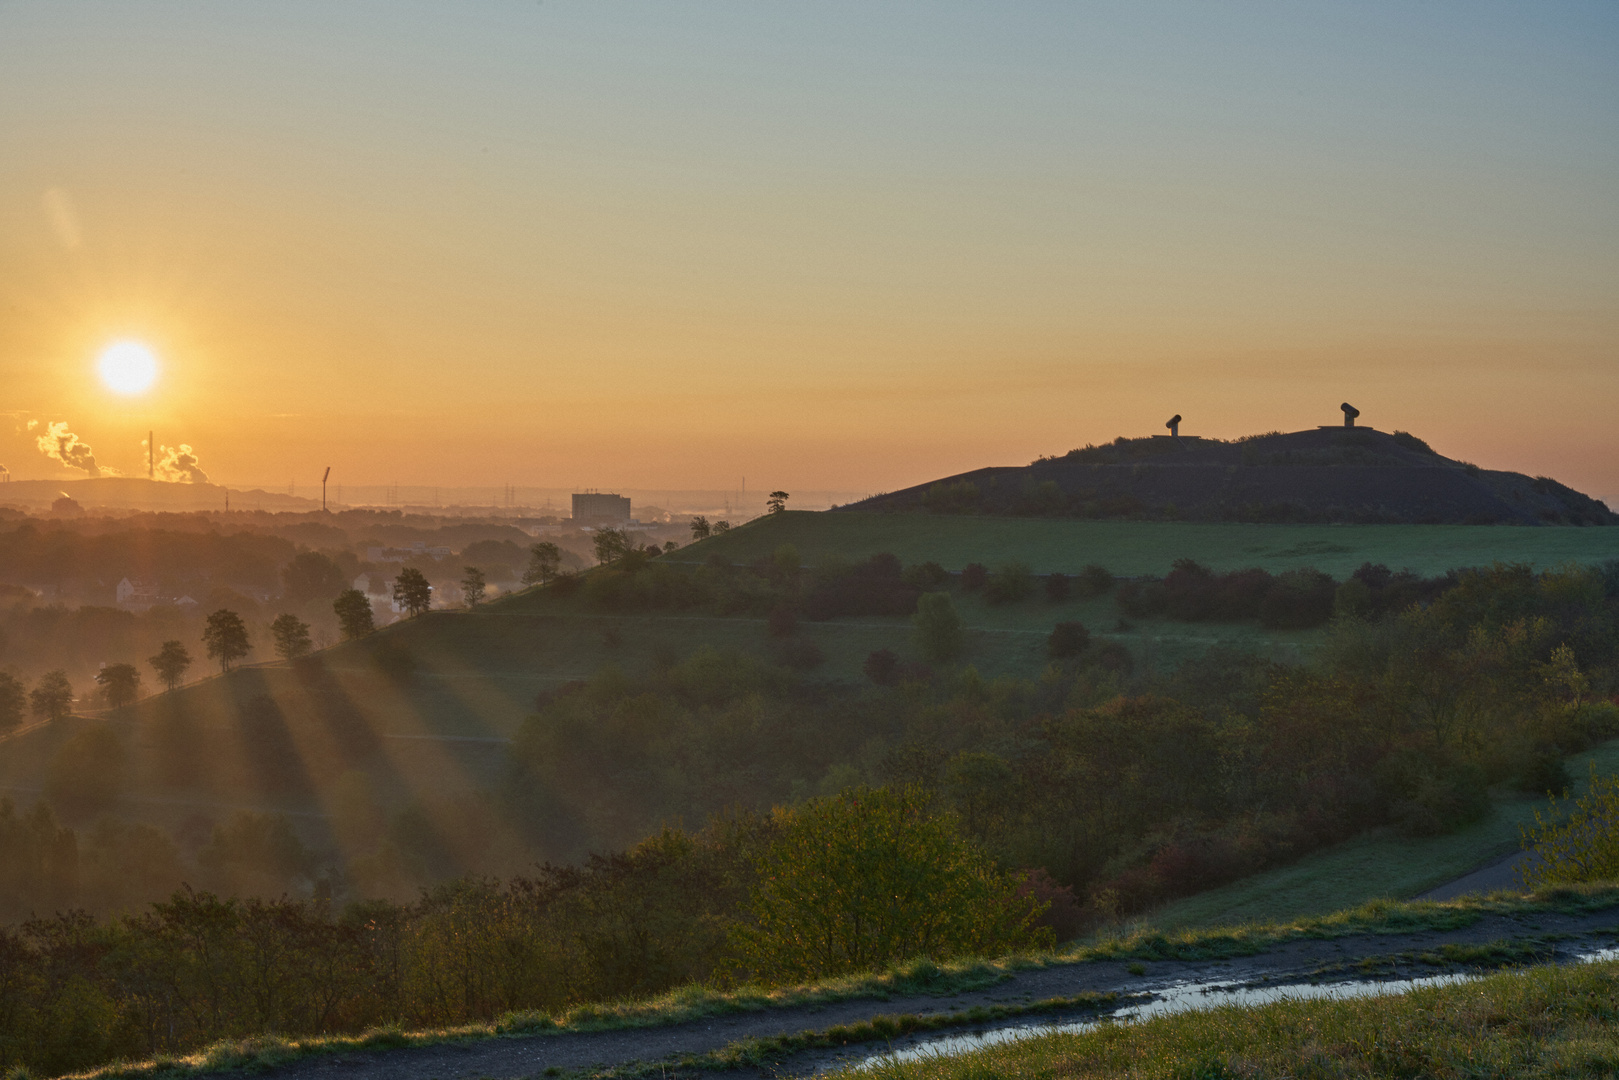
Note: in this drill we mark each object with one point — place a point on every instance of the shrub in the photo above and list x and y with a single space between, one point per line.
1544 774
1297 600
1068 639
1011 584
940 629
928 577
866 878
1429 796
1113 656
1093 581
1576 840
882 667
1057 587
874 587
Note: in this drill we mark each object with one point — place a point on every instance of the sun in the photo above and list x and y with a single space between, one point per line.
127 367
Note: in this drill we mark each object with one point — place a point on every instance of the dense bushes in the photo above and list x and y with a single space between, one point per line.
867 878
874 587
747 898
1296 599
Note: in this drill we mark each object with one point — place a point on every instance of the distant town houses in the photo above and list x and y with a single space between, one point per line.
413 550
138 596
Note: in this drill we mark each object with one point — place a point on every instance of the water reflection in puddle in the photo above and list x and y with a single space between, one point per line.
1184 997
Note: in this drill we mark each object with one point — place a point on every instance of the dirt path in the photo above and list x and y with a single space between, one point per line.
1561 938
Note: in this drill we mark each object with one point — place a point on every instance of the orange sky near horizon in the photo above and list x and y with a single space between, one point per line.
635 246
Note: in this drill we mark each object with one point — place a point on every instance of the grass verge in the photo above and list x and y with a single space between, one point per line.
1376 864
766 1052
1543 1022
1372 917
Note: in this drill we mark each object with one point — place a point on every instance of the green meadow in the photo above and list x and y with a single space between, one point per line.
1138 548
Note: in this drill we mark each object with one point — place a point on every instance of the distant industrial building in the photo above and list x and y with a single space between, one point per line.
593 508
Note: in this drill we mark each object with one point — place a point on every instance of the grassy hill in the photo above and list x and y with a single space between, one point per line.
1319 475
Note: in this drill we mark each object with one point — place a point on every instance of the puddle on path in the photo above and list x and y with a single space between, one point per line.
1178 998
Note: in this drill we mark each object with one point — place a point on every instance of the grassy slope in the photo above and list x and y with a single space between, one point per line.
1132 548
1379 864
479 672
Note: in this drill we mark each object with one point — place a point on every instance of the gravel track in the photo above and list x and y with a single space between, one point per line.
511 1057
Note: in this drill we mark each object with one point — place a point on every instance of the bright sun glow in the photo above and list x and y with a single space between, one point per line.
128 367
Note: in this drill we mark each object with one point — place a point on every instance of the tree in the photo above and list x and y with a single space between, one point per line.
311 576
353 609
866 878
412 591
226 638
1575 839
53 697
472 586
612 545
13 697
291 636
120 683
544 563
1067 639
939 628
777 503
721 527
700 529
170 663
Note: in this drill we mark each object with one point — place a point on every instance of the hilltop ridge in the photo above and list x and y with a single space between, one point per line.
1321 475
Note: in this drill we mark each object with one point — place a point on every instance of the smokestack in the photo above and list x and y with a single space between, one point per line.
151 470
323 489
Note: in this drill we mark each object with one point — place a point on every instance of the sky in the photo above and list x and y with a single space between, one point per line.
834 245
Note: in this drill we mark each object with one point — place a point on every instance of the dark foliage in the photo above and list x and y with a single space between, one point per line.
874 587
1067 640
1296 599
881 667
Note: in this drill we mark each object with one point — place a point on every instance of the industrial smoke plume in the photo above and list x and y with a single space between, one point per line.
178 465
60 444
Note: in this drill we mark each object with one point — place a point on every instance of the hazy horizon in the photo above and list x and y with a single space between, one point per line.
836 247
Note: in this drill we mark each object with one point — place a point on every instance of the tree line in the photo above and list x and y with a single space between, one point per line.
842 884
